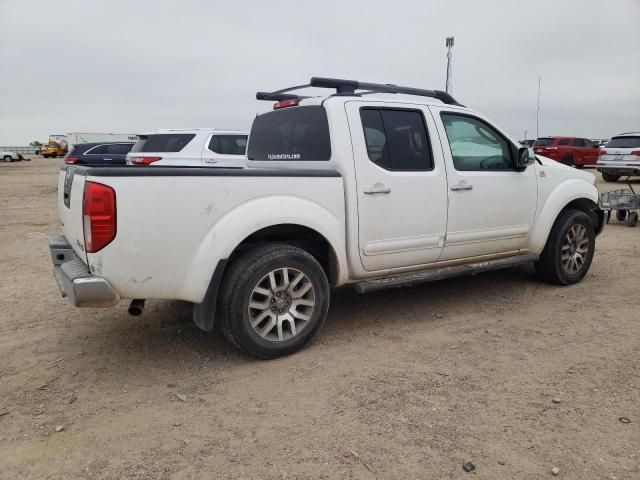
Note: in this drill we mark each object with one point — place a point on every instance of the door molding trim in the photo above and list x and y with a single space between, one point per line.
406 244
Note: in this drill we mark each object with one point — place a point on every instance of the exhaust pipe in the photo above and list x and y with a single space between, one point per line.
136 307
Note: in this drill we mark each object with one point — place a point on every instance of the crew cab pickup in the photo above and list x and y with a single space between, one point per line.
374 185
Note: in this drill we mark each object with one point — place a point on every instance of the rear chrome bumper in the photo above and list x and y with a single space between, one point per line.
619 168
75 281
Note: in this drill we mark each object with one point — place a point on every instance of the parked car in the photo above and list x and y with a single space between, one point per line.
572 151
527 143
376 191
9 156
206 147
109 153
620 157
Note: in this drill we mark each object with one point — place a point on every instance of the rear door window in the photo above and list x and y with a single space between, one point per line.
579 142
396 139
119 148
628 141
563 141
162 142
291 134
97 150
228 144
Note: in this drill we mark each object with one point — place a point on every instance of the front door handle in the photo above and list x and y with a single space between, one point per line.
377 188
210 160
461 186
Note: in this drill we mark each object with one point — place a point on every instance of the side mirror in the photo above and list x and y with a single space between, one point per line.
524 157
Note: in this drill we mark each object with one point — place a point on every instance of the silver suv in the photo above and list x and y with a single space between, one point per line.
620 157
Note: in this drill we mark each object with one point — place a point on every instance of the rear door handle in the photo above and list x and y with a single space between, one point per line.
377 188
210 160
461 186
108 159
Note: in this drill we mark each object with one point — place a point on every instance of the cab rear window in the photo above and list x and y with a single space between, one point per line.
291 134
628 141
162 142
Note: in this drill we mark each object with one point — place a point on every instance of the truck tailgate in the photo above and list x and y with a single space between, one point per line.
70 193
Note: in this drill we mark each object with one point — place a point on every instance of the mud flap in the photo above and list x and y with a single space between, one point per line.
204 314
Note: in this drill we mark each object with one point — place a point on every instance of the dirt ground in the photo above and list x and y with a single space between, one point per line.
511 374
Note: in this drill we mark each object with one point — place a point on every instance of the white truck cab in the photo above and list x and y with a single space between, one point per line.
373 185
190 147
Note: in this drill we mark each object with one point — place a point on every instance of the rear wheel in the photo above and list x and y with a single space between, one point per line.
54 155
567 256
275 299
608 177
45 156
568 160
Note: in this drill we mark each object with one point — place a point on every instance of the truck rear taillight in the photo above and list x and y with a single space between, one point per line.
636 153
71 160
144 160
99 216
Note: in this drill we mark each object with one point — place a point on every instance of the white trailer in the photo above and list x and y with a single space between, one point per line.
75 138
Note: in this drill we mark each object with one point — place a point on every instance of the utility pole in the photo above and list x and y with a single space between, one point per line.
538 110
449 45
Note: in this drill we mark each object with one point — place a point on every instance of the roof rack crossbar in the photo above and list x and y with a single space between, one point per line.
349 87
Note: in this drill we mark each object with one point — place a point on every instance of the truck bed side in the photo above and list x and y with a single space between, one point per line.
175 224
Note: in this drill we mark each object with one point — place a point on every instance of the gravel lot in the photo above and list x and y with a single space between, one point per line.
511 374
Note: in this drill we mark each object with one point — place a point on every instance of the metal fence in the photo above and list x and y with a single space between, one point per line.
24 149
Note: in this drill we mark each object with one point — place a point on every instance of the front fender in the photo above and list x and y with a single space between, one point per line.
245 219
561 196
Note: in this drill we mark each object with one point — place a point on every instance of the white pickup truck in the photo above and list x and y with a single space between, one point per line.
373 185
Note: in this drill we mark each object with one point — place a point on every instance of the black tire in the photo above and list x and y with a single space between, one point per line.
621 215
579 166
54 155
46 156
568 160
245 274
7 159
550 266
632 221
608 177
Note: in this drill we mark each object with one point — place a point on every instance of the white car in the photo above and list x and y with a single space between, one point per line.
620 157
9 156
195 147
389 189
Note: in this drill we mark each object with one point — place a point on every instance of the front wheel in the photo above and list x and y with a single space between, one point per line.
608 177
7 158
54 155
567 256
568 160
275 299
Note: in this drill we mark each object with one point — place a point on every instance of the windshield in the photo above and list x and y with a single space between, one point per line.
628 141
544 142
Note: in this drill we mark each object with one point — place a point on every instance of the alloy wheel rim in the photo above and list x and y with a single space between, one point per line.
281 304
574 249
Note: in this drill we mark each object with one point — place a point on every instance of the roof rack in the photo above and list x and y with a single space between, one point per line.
349 87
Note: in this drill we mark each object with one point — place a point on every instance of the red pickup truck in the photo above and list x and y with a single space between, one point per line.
568 150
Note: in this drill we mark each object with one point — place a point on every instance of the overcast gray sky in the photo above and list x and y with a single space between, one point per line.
124 66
